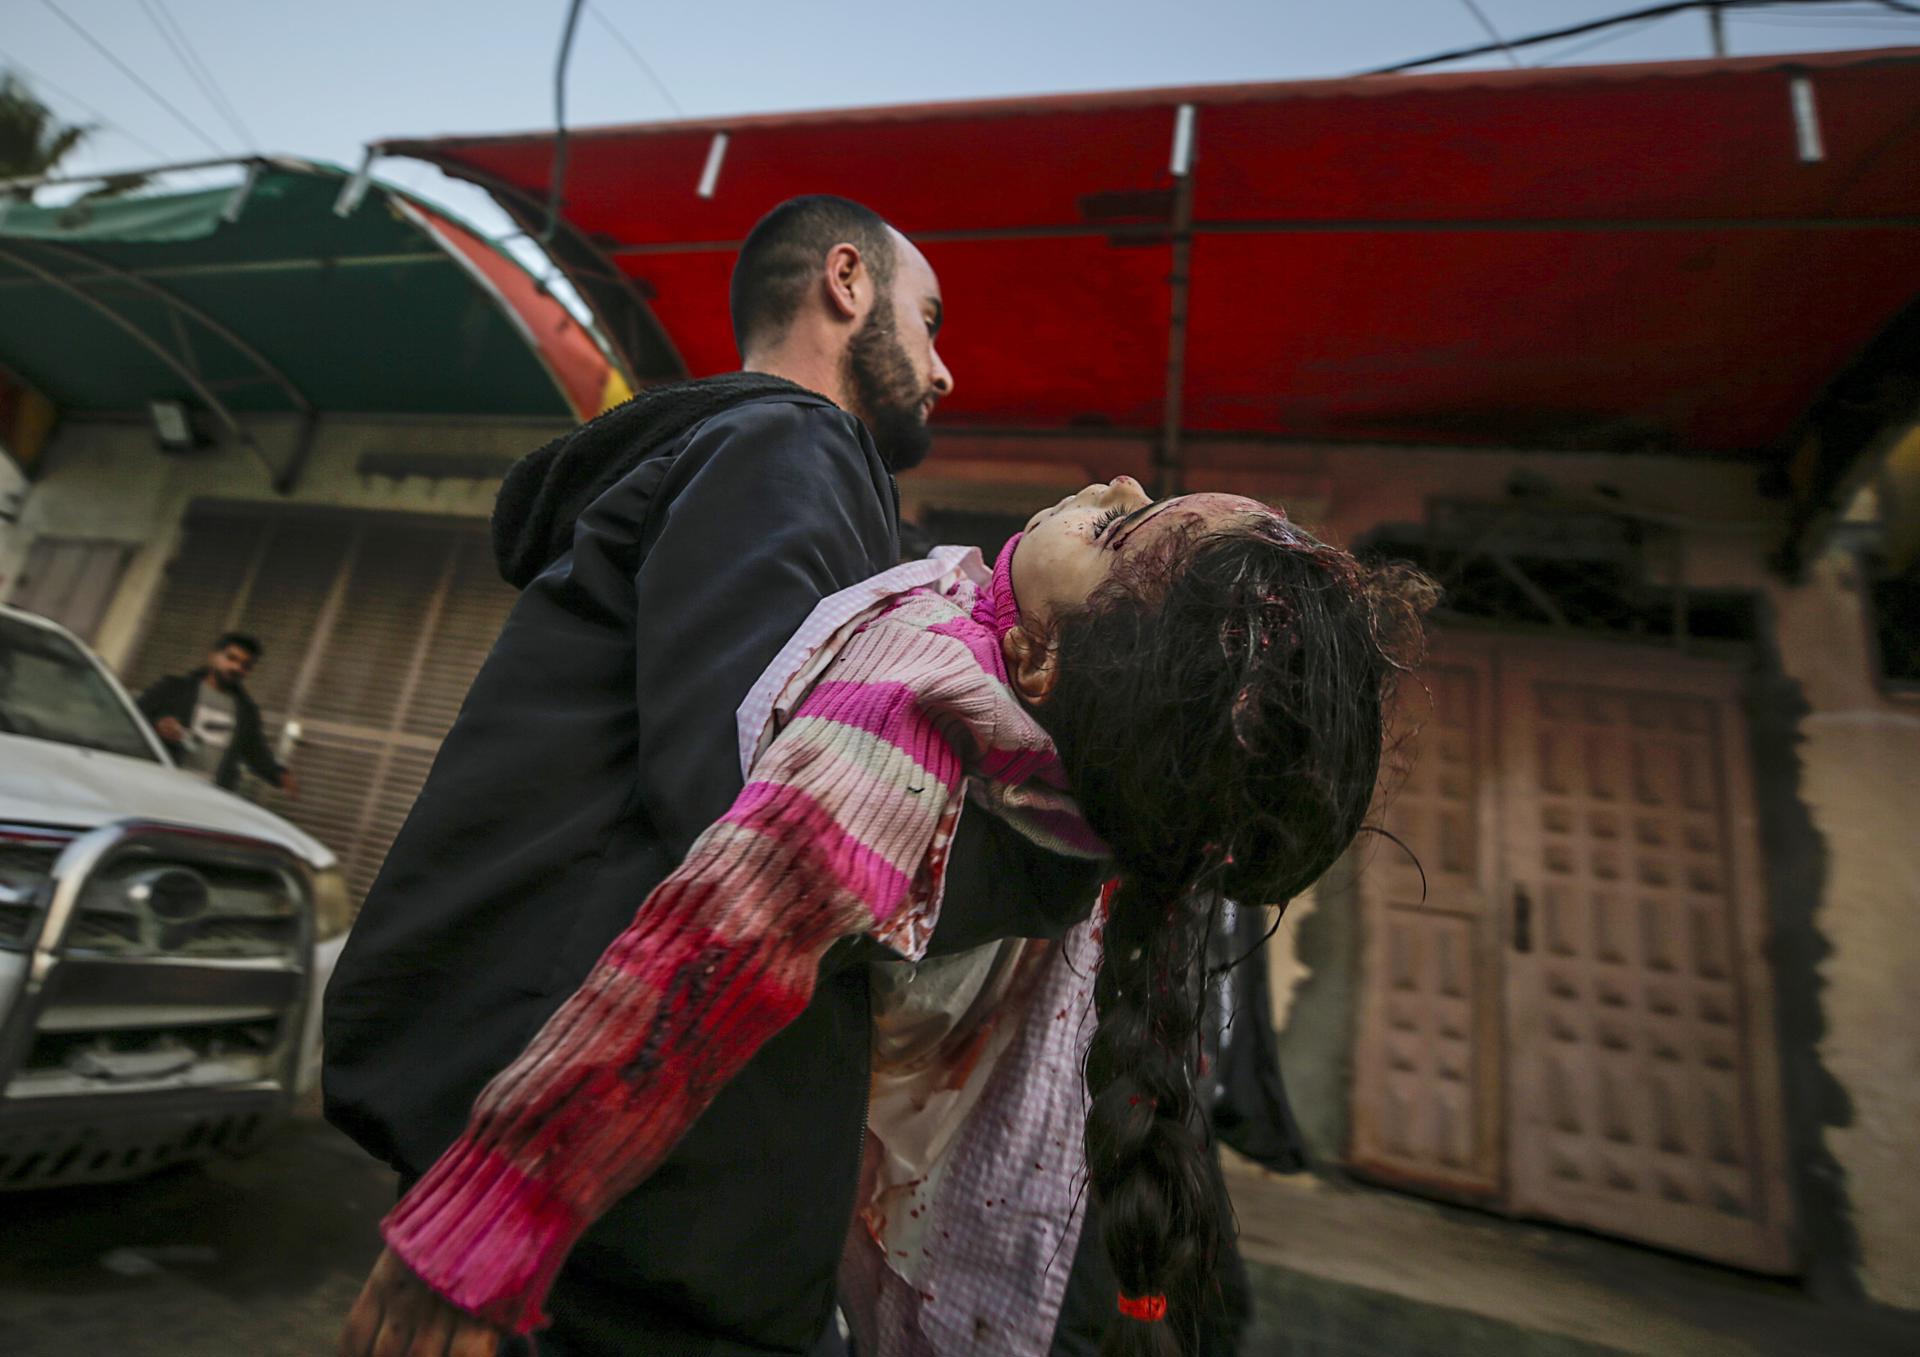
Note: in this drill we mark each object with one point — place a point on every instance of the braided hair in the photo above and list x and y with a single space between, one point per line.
1219 709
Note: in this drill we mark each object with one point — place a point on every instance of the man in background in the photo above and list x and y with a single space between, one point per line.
210 724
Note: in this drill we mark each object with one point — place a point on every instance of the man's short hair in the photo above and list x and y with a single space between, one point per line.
247 641
783 253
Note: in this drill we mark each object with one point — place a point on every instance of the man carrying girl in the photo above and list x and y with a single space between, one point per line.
662 973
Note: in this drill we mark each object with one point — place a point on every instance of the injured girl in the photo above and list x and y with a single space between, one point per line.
1194 690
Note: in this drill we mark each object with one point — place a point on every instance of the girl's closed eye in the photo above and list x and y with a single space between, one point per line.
1107 520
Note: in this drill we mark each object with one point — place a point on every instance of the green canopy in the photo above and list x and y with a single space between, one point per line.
259 298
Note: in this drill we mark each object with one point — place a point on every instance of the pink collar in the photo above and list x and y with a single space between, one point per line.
996 607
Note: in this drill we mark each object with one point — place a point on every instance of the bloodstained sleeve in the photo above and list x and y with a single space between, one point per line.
824 841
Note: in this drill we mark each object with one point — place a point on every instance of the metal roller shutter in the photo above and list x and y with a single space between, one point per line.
203 587
71 580
374 626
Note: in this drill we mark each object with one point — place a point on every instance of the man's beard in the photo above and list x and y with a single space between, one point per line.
887 390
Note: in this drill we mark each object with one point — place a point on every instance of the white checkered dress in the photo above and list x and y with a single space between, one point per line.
997 1237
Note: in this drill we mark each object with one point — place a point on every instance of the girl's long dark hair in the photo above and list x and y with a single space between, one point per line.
1220 709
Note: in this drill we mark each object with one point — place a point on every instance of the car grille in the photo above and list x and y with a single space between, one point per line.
247 1043
250 912
175 986
26 861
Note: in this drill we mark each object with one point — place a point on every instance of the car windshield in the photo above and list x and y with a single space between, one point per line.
51 690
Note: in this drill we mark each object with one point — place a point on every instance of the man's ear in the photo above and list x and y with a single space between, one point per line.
847 281
1030 664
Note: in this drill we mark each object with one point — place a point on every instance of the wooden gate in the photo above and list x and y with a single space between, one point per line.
1427 1068
1577 1024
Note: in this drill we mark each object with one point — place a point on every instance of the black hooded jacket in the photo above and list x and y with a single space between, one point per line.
665 552
177 695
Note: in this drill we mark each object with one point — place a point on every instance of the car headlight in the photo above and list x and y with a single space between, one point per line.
332 907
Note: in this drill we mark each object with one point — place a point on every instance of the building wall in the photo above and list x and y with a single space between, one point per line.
1860 784
1840 787
13 487
104 479
1843 860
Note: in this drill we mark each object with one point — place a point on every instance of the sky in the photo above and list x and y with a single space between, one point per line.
320 79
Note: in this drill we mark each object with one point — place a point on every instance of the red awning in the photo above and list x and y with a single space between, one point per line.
562 343
1662 257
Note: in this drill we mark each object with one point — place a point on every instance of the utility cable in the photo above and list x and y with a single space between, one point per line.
1492 32
1862 11
193 53
1730 7
135 77
558 173
638 60
1884 23
100 120
1599 40
176 38
1871 16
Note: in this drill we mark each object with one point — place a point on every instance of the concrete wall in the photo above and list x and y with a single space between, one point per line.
1838 764
1860 784
1838 769
13 497
1314 965
106 480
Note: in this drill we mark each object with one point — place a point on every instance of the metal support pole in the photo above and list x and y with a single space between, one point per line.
179 306
556 191
1151 232
594 275
248 269
1168 476
1717 26
238 202
1806 120
144 171
710 173
302 450
1535 595
355 188
1679 601
151 345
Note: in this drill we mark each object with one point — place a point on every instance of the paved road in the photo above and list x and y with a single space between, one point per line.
255 1257
261 1257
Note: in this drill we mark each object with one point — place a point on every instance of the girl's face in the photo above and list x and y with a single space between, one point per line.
1069 549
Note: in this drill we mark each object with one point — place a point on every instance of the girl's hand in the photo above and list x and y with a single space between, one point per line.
398 1315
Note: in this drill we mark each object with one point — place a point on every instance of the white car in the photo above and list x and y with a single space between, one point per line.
163 944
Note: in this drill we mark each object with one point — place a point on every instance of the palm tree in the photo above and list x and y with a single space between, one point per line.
33 140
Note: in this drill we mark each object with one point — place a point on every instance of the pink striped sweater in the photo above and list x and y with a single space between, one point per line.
841 829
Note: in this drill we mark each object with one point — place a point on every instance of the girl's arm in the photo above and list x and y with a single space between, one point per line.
825 841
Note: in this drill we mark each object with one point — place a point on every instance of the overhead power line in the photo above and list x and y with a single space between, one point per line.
202 75
100 120
135 77
1731 7
1600 40
1879 18
638 60
1492 32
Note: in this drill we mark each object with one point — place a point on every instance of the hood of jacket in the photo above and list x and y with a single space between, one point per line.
545 491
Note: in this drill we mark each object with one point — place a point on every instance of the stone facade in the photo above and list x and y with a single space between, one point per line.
1836 759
